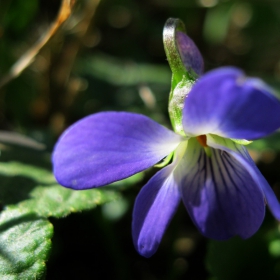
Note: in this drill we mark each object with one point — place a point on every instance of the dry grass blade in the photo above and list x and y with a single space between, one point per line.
27 58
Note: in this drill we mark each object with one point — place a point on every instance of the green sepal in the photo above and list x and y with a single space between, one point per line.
243 142
165 161
176 103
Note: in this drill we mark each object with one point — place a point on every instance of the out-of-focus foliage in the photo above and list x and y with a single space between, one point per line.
45 197
109 56
236 259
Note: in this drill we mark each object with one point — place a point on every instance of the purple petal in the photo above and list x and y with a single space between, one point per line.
235 150
219 193
225 103
153 210
189 53
108 147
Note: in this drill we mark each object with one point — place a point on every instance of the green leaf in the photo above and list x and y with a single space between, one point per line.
35 190
39 175
57 201
24 245
32 195
18 180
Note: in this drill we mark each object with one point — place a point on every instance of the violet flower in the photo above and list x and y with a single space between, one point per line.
218 182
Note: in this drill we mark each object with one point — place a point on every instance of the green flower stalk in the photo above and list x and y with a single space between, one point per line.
186 64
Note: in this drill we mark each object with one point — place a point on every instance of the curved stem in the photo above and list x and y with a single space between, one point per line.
169 40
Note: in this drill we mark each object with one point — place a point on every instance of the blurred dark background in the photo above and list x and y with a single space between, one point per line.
109 56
